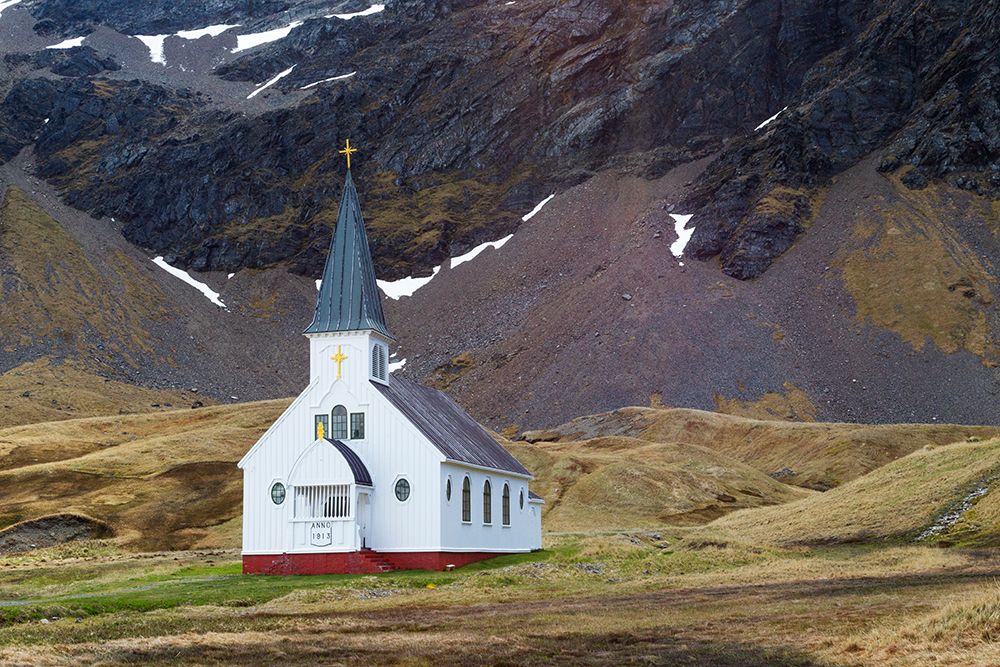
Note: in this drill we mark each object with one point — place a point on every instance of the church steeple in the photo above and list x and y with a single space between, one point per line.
349 298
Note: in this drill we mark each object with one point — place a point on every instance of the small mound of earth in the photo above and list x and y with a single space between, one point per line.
49 531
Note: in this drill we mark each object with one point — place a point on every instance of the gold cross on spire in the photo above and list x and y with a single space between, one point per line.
347 151
340 358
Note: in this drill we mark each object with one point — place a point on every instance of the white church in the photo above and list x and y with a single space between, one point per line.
366 472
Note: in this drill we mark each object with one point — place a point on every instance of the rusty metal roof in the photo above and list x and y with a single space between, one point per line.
358 468
349 299
449 428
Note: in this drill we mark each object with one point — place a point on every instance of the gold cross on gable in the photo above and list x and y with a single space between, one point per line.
347 151
340 358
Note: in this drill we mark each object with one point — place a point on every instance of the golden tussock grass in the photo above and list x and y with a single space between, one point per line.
45 390
617 482
160 480
894 502
791 405
947 302
816 455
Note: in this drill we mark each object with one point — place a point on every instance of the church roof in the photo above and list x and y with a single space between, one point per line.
349 299
449 428
361 474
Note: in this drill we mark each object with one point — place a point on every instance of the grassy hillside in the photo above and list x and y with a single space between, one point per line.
617 482
175 472
896 502
814 455
160 480
44 390
822 579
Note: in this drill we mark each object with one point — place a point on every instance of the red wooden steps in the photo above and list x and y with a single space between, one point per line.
377 561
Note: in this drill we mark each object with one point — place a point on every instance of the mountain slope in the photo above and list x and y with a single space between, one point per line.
75 291
884 317
841 261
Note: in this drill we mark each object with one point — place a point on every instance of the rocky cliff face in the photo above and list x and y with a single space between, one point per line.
918 87
471 113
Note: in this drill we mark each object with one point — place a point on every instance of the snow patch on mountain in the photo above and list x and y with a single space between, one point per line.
395 289
210 31
271 82
683 235
374 9
538 208
4 4
472 254
332 78
770 120
244 42
68 43
209 293
155 45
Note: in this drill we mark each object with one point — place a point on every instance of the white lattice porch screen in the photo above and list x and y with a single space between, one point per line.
329 501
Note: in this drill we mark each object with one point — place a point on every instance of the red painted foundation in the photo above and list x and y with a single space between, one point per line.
359 562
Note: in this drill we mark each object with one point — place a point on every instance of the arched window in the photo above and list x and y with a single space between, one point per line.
521 499
487 502
466 501
505 508
338 423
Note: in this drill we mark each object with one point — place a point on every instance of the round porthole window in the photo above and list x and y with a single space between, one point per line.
278 493
447 490
521 499
402 490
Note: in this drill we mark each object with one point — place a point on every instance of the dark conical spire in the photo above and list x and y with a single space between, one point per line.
349 299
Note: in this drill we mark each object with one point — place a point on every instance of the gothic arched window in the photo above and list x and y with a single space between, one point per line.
338 423
466 500
506 505
487 502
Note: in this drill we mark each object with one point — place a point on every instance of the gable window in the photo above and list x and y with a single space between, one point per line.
357 426
466 501
487 503
447 490
505 508
338 423
325 421
402 490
